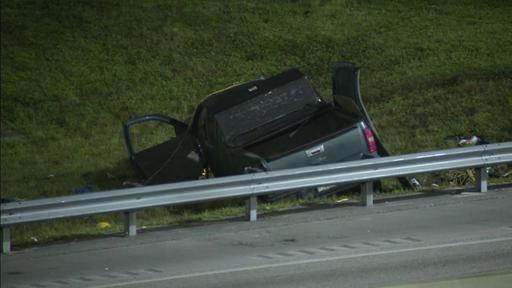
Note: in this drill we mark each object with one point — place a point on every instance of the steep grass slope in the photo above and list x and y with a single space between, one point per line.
72 71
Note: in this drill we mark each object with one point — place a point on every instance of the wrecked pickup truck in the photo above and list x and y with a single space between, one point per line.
262 125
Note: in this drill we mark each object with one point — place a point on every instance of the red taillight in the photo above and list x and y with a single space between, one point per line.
370 140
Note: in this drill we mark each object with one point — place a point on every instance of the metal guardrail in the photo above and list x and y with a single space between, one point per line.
252 185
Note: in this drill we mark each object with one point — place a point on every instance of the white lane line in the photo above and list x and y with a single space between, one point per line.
308 261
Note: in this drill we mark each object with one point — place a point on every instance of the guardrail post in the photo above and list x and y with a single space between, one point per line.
6 240
481 179
130 223
252 208
367 194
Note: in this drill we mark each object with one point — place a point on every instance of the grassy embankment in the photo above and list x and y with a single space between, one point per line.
72 71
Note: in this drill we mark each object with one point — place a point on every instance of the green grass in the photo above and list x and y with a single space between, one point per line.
72 71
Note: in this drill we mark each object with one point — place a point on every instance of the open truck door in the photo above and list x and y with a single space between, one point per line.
347 96
176 159
345 90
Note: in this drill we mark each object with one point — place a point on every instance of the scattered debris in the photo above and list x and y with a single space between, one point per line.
468 176
132 184
463 141
471 141
88 188
415 183
103 225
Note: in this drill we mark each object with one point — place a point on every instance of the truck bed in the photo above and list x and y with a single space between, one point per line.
320 127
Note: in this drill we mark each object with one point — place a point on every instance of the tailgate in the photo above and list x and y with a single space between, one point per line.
346 146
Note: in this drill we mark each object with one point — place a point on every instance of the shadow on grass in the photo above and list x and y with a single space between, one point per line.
119 176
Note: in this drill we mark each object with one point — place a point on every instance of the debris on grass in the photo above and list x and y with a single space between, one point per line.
103 225
88 188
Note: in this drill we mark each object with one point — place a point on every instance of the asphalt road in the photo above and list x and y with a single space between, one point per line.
464 236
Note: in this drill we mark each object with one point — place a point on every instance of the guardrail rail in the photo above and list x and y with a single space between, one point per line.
250 186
